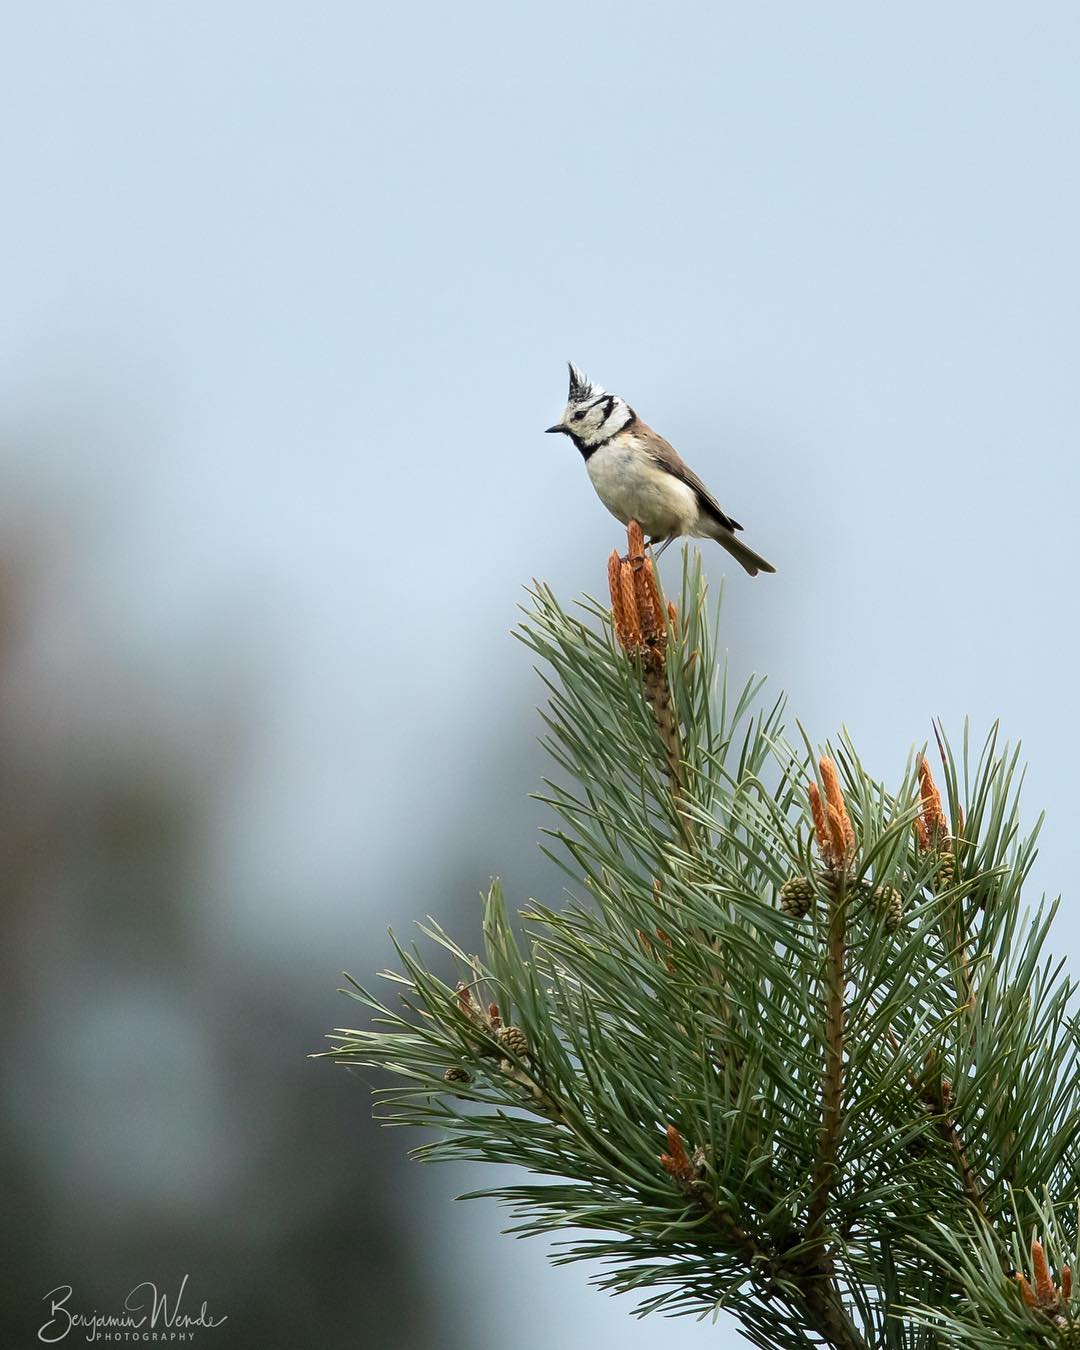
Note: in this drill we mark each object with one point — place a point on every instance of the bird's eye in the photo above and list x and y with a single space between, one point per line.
578 416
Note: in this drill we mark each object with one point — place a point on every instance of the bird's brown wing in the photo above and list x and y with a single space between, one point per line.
665 454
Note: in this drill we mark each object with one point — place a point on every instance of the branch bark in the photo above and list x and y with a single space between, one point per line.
832 1091
823 1301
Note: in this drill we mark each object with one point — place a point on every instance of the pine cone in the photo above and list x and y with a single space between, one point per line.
456 1074
890 903
797 896
946 871
514 1040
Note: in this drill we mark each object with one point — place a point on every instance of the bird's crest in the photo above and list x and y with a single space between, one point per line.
581 387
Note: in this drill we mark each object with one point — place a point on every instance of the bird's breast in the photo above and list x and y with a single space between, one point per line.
633 487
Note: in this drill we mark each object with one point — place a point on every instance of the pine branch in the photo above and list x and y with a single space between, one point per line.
826 1314
832 1108
836 842
794 1051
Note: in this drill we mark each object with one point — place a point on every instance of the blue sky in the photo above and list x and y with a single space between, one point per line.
288 293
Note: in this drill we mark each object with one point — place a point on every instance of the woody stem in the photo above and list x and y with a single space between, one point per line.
832 1091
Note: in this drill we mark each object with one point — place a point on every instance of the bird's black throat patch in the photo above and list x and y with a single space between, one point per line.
586 450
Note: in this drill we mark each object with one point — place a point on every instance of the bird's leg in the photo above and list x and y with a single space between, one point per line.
657 552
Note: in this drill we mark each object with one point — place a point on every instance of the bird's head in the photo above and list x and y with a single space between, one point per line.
592 415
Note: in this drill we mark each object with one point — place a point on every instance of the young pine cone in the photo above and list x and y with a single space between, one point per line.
946 871
797 896
890 903
514 1040
456 1074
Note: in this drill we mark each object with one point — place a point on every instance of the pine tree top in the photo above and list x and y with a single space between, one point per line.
793 1046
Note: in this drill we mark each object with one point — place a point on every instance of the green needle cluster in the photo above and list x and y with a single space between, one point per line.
793 1046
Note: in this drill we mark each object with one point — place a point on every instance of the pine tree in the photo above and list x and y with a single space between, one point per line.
794 1047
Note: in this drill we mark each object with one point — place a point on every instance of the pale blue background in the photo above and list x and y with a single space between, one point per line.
286 295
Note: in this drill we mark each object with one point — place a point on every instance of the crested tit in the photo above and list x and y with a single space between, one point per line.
639 476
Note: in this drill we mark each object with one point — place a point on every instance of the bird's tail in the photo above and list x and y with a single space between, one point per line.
742 553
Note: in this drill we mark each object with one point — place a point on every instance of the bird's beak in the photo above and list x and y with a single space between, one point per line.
557 427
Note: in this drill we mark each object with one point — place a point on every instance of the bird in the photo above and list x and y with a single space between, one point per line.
640 476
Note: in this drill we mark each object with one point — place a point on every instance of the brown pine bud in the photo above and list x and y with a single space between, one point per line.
1045 1290
633 643
676 1162
618 610
821 824
834 793
650 610
637 613
837 837
933 813
456 1074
